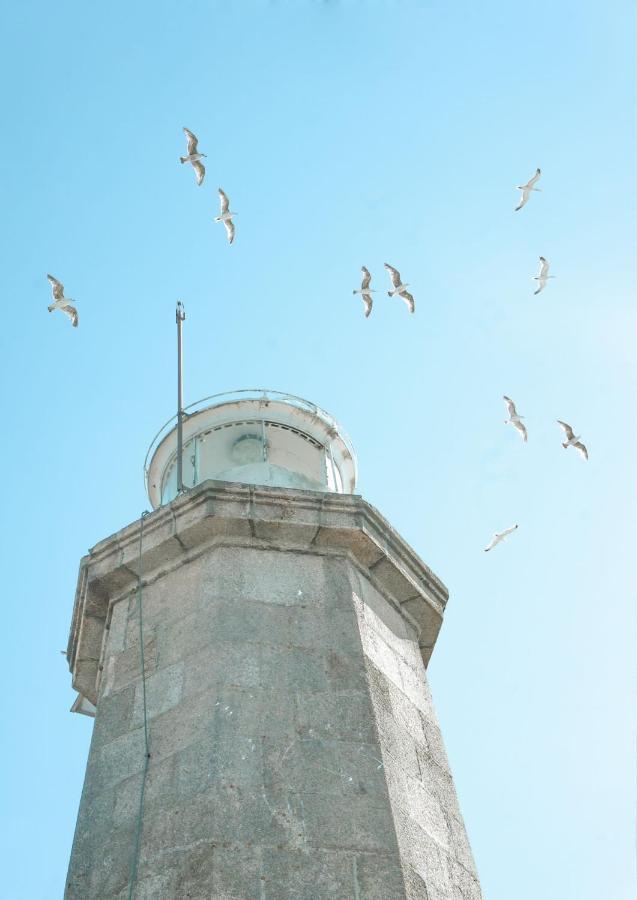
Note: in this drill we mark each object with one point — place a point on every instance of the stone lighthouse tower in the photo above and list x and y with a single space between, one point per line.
254 652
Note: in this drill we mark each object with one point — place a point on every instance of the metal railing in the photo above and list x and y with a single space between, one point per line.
261 395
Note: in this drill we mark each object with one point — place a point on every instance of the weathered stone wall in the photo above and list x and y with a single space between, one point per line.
433 843
294 747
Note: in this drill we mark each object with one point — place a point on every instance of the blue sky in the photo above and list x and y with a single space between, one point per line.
345 133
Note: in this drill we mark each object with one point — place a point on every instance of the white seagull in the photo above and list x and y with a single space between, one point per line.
226 215
365 291
400 289
527 188
514 419
499 536
572 440
543 277
194 157
61 302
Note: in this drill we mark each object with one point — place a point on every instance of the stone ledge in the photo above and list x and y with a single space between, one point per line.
217 512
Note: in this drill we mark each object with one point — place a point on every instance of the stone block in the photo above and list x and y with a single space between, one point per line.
425 808
118 759
111 869
293 669
158 790
117 627
114 715
168 599
161 691
224 813
349 822
318 628
224 759
465 883
460 847
379 876
126 666
306 873
264 575
381 656
282 527
408 714
428 860
394 579
237 874
435 743
93 823
345 671
363 769
216 665
426 618
381 614
189 722
439 782
360 545
235 620
416 889
308 764
155 886
251 712
183 638
414 687
341 715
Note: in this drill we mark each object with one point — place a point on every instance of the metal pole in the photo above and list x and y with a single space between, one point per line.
180 315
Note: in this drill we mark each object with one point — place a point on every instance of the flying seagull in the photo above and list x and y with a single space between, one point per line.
543 277
194 157
400 289
572 440
226 215
514 419
61 302
498 537
365 291
527 188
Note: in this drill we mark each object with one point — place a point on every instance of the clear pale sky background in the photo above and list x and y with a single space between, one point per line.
345 133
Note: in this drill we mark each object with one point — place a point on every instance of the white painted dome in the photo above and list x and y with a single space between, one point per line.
253 437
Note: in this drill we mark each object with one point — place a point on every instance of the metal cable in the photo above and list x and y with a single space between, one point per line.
138 829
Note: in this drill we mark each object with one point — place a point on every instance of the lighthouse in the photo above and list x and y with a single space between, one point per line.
254 651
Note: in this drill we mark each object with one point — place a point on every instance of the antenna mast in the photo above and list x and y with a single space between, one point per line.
180 315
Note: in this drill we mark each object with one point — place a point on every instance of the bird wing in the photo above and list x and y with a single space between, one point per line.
525 196
225 203
492 543
394 274
71 312
58 287
579 446
519 426
510 405
229 225
507 532
544 267
367 300
409 300
200 170
366 278
535 178
568 431
192 141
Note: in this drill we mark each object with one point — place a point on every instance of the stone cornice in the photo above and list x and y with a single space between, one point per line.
215 513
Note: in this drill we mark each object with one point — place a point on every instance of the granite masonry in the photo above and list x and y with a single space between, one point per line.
294 747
